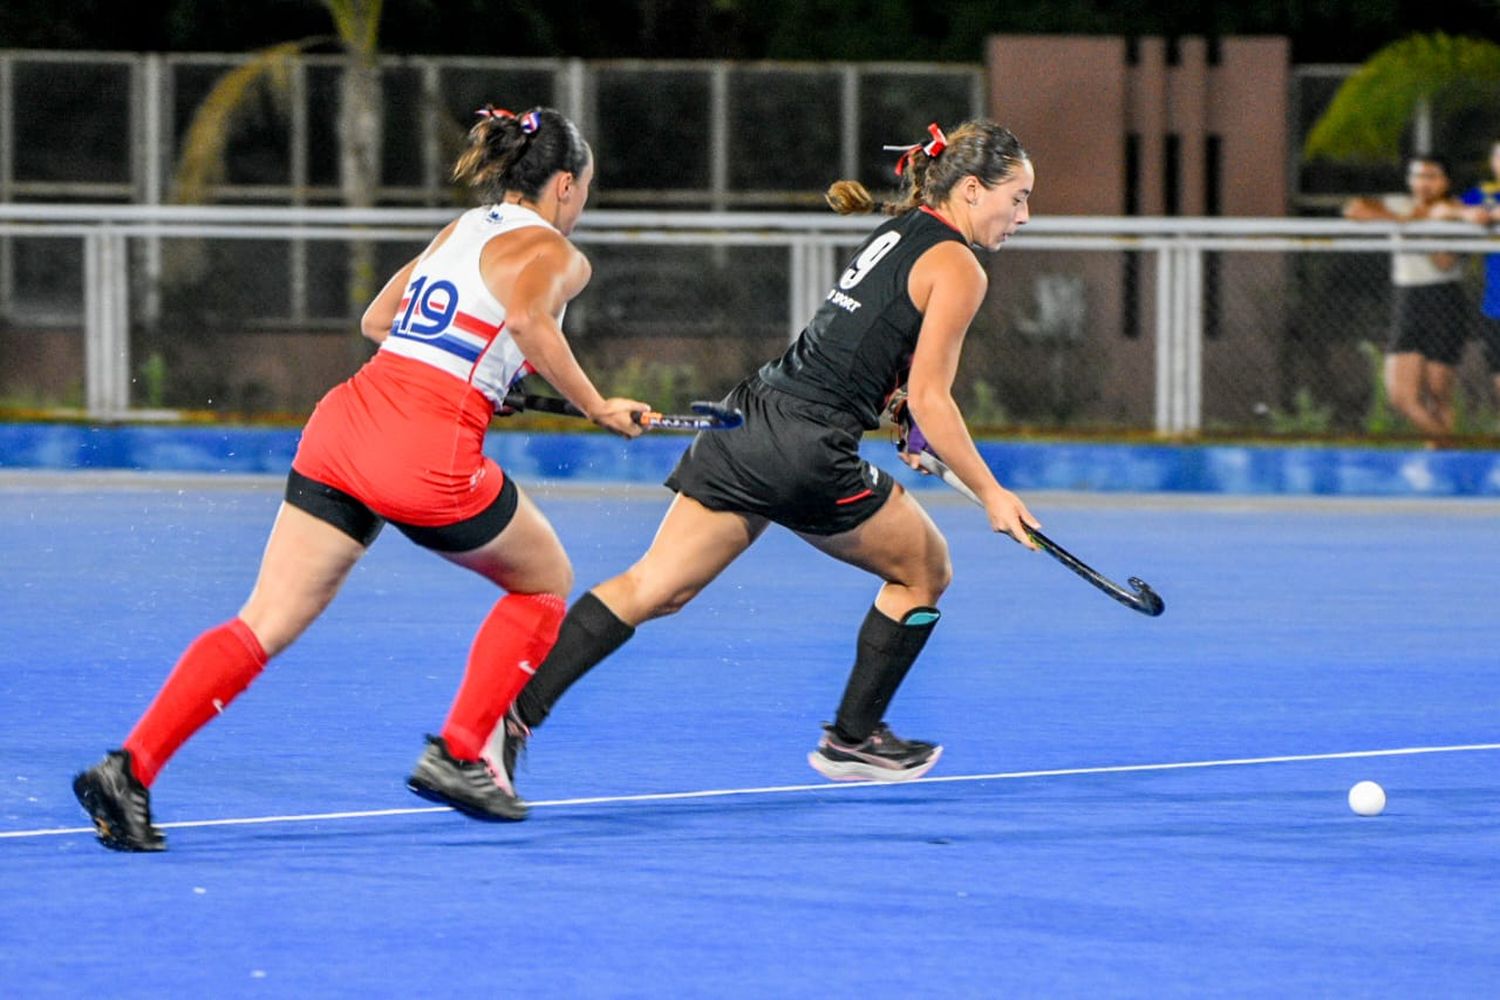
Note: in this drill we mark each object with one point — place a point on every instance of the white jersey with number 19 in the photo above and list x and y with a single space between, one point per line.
448 317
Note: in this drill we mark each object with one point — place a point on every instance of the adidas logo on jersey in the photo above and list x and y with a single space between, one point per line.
843 301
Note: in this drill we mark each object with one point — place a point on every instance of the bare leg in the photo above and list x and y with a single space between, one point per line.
305 563
525 558
691 548
1404 384
1440 382
693 545
902 546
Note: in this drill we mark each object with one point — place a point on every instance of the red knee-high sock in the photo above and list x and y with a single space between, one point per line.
218 665
513 640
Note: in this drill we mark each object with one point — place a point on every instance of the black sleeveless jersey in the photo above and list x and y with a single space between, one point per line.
858 346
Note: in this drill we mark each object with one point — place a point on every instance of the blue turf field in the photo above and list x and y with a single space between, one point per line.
1309 628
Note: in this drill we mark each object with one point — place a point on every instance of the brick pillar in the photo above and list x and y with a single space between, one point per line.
1249 109
1187 118
1064 97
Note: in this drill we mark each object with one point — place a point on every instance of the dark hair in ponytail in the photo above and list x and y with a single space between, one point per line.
988 151
520 153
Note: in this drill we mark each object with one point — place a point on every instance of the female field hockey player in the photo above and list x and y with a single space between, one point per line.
898 314
401 442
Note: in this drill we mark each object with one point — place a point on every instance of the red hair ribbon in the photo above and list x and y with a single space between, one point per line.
933 148
490 111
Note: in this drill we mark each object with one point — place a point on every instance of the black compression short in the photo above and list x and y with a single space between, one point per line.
350 515
793 461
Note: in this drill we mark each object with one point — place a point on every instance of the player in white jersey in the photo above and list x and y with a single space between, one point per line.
401 441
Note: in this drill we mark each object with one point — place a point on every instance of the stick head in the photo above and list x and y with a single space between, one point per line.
1148 601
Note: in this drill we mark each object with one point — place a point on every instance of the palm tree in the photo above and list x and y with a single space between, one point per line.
1401 85
358 25
357 29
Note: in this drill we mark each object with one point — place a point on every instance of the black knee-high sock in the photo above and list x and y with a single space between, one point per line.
588 634
886 651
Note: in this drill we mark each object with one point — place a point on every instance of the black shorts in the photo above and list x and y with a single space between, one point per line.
1431 320
1489 338
793 461
350 515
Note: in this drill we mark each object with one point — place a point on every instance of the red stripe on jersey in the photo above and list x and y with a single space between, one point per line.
476 326
941 218
858 496
493 337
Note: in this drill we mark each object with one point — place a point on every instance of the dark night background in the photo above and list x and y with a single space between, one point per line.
1339 31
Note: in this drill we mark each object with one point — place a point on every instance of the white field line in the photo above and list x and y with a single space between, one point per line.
785 789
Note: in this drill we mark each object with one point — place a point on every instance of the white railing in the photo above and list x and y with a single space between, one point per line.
814 243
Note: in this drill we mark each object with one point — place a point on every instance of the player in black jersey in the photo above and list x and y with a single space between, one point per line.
897 315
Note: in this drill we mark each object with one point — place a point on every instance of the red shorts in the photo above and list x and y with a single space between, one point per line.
405 439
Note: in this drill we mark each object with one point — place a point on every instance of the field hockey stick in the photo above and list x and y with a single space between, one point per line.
705 416
1141 598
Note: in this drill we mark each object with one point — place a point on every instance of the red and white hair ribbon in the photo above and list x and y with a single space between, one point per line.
530 121
933 148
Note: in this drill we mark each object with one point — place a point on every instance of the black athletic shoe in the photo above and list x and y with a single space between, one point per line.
883 756
119 805
507 744
470 786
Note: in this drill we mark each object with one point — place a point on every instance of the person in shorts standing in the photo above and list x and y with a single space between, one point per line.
1430 316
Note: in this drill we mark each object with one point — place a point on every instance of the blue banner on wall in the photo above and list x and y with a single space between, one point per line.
1232 469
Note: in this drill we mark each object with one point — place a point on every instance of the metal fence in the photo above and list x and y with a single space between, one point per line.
1180 327
107 126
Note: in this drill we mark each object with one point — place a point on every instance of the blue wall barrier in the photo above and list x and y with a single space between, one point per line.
1233 469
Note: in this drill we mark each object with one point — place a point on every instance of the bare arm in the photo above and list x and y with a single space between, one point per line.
1368 210
1450 211
1374 210
535 282
947 285
1446 210
381 312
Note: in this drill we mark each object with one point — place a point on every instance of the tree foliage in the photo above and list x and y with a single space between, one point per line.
1371 112
201 164
357 31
